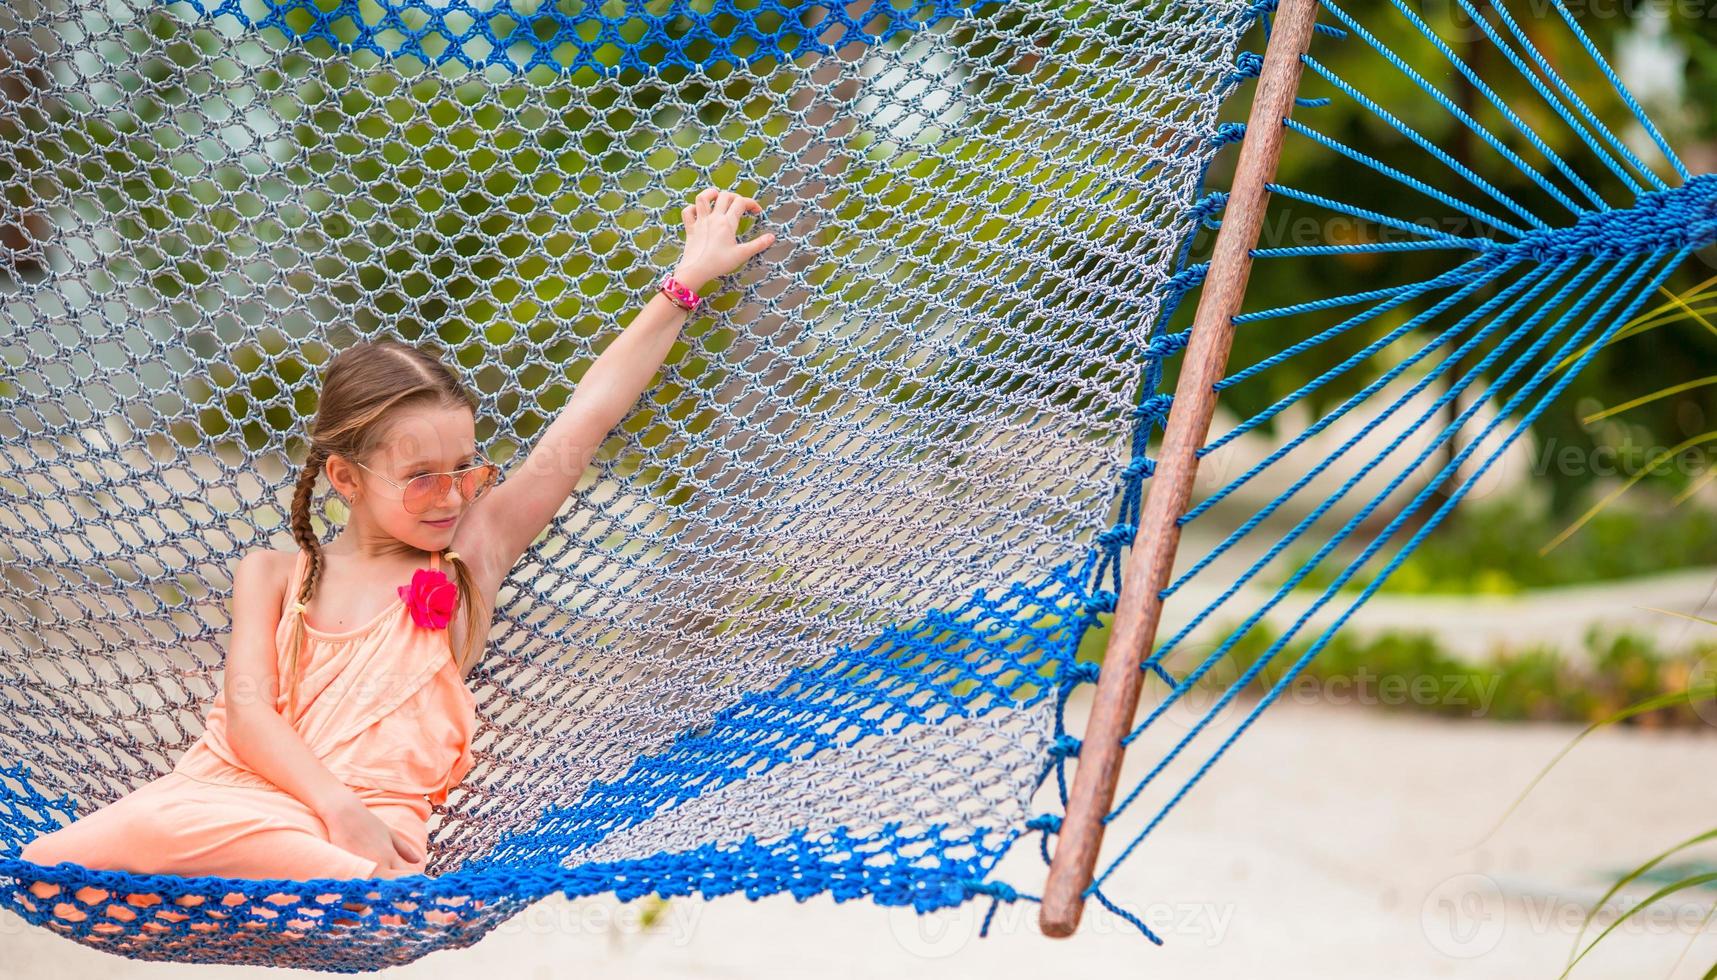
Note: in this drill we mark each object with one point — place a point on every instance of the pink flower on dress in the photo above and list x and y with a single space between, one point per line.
431 597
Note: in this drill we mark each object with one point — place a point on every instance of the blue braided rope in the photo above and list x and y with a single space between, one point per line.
1502 106
1431 486
1316 305
1461 275
1377 217
1636 297
1621 89
1405 180
1419 139
524 37
1380 417
1532 78
1549 71
1371 248
1460 115
1311 519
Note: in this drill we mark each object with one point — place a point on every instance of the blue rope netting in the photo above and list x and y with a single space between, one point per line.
1515 323
812 626
573 36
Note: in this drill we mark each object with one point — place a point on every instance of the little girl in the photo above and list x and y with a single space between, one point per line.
344 714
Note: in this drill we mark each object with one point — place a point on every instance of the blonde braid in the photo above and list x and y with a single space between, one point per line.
476 625
305 535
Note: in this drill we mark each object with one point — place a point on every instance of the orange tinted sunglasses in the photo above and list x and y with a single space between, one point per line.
420 493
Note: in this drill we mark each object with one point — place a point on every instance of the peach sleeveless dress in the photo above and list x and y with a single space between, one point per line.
382 706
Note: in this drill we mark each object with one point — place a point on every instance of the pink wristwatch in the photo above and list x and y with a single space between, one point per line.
680 293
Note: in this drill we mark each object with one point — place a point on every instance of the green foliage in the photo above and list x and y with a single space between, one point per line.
415 206
435 269
1412 670
1496 547
1645 362
1536 683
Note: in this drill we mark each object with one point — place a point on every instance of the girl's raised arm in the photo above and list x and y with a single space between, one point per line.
502 523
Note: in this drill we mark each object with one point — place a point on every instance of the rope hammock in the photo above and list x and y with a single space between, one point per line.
811 623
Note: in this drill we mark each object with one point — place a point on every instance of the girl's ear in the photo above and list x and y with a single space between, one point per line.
343 477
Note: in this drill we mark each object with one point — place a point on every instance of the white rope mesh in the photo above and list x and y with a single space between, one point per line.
922 390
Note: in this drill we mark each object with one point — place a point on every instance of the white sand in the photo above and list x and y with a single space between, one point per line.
1328 844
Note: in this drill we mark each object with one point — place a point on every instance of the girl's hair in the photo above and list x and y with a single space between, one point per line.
362 388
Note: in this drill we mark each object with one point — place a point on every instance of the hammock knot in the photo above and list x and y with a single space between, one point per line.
1187 278
1103 600
999 891
1049 823
1139 466
1228 132
1118 534
1207 207
1168 344
1085 671
1154 407
1247 65
1065 747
